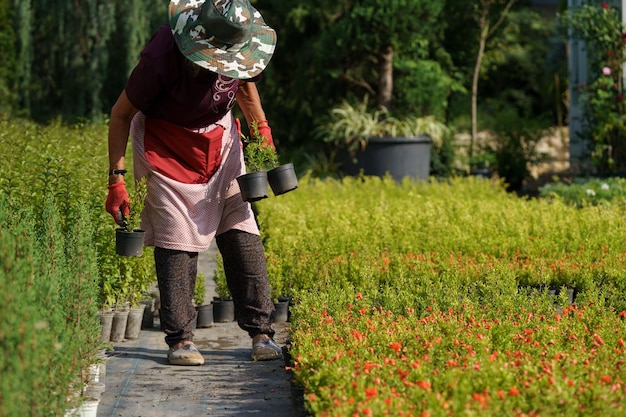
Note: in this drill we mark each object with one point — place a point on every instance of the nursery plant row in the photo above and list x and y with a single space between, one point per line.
59 267
450 297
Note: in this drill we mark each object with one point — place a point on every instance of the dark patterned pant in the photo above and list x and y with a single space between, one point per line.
246 275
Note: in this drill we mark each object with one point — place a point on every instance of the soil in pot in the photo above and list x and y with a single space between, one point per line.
282 179
129 243
253 186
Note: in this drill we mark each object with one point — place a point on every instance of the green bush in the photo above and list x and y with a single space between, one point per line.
49 327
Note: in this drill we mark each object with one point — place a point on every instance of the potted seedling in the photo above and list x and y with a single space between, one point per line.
204 311
223 305
129 237
262 165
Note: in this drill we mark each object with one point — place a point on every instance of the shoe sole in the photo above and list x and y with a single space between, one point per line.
186 362
267 357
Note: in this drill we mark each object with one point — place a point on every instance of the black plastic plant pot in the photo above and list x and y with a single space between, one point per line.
282 179
129 243
253 186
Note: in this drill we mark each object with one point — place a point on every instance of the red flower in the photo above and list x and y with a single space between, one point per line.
358 335
371 393
397 346
424 384
513 392
597 340
604 5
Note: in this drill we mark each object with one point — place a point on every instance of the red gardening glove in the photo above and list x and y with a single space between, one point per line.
266 132
118 202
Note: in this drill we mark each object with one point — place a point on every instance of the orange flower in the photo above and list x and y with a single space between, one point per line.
513 392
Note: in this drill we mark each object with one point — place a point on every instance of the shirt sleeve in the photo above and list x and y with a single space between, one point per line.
150 76
143 86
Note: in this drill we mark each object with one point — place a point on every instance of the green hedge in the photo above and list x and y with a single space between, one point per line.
60 265
49 326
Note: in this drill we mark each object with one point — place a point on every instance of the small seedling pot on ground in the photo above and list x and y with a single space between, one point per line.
205 316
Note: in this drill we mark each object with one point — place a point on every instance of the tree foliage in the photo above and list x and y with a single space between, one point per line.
7 51
71 59
69 56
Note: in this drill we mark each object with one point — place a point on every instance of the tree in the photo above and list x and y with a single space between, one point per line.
329 51
489 16
374 34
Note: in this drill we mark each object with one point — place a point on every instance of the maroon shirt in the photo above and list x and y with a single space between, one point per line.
163 87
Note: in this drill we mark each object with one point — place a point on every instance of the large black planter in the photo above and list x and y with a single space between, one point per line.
399 156
253 186
129 243
282 179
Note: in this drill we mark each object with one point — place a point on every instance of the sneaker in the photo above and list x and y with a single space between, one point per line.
185 355
265 349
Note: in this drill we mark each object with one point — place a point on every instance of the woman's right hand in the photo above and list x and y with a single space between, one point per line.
118 202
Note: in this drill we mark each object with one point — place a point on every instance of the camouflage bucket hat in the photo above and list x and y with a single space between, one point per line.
228 37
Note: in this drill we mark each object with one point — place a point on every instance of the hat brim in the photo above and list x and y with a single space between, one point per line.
242 61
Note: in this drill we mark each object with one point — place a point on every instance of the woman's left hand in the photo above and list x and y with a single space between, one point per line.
266 132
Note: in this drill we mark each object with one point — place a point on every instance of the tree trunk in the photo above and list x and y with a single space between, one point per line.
385 77
484 33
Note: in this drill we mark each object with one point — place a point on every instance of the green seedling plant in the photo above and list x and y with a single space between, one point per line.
219 276
258 155
137 204
199 291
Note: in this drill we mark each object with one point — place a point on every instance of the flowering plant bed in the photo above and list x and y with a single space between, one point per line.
466 361
450 298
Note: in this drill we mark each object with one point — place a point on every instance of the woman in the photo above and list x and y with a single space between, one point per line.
176 107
